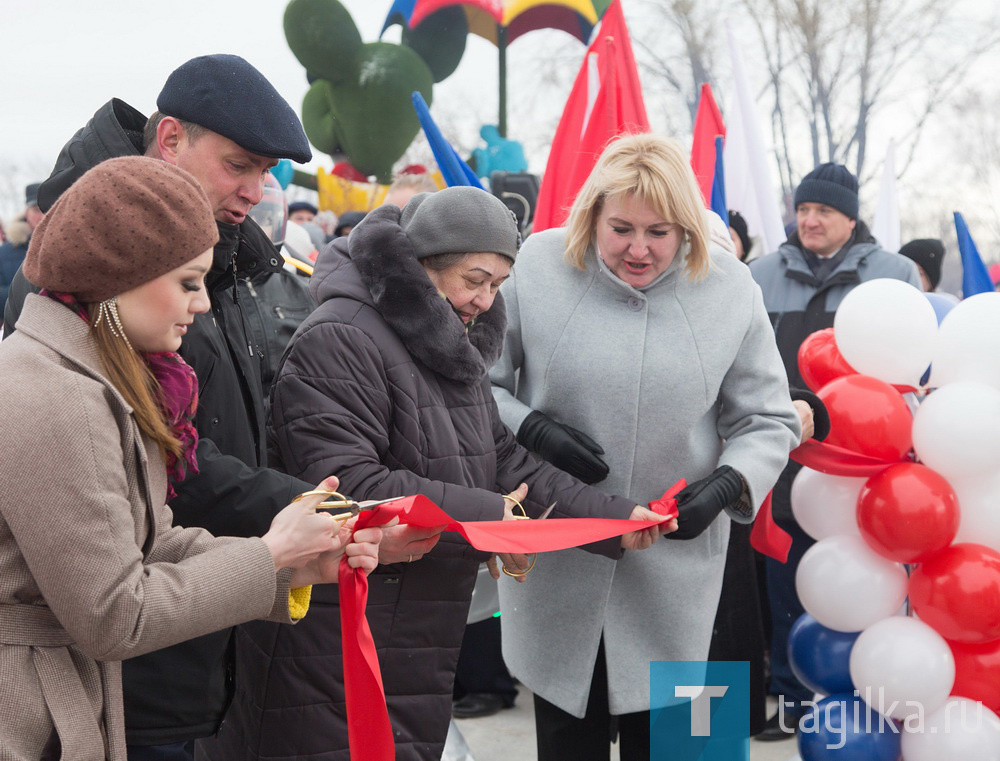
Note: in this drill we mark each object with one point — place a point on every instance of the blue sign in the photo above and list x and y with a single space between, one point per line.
699 710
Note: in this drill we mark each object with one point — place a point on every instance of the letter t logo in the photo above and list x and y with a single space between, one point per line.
701 705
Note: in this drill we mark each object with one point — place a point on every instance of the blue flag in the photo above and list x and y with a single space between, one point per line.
719 184
453 169
975 276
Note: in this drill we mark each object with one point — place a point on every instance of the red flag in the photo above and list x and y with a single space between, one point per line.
606 101
707 126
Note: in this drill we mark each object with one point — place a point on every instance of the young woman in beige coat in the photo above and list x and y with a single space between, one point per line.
96 413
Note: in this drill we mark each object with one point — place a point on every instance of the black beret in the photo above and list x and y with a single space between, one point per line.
302 206
227 95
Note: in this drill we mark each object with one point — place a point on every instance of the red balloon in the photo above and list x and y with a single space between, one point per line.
908 512
957 593
867 416
977 672
820 361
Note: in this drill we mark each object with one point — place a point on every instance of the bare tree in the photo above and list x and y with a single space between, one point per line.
833 68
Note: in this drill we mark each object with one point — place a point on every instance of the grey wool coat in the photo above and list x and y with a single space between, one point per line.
672 381
91 571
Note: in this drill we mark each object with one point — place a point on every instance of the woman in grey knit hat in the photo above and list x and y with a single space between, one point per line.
386 384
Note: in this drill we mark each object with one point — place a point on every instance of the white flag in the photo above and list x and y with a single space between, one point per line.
885 223
750 188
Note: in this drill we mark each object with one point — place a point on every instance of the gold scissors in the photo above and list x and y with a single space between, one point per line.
350 506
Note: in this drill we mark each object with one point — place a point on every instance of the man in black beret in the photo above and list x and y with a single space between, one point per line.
301 211
222 121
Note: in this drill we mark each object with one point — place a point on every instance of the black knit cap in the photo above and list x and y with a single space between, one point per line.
928 253
227 95
739 226
832 185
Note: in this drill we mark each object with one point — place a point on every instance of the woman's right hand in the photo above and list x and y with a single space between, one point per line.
298 534
641 540
516 564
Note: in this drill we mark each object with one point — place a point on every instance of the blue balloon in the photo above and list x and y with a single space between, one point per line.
845 728
283 172
821 657
942 304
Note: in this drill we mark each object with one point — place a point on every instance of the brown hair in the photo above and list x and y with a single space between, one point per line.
130 375
192 130
655 171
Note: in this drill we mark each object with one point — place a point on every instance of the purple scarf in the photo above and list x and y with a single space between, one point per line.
178 398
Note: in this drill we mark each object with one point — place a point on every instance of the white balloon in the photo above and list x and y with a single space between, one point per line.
968 347
886 328
956 430
846 586
902 668
826 505
961 729
979 508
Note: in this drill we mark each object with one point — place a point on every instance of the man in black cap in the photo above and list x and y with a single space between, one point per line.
829 253
222 121
301 211
927 254
18 234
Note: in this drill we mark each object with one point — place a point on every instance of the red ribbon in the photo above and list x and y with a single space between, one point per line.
368 728
767 537
837 461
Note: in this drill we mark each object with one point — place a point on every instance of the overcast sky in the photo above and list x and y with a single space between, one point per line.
60 60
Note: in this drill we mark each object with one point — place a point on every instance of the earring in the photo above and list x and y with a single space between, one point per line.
108 310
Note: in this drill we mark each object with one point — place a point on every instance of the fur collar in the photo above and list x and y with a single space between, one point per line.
413 308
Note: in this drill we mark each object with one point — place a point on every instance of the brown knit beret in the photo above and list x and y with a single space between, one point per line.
123 223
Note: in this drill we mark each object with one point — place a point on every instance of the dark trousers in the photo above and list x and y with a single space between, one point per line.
785 611
563 737
481 669
173 752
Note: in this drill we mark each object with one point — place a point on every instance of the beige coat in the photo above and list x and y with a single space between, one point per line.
91 570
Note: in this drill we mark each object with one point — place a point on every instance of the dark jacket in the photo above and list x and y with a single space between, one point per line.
382 385
799 304
275 306
182 692
12 252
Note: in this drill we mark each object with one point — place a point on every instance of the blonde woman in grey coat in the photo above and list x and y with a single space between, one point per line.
637 354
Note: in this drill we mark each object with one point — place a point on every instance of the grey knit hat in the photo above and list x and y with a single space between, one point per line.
460 220
832 185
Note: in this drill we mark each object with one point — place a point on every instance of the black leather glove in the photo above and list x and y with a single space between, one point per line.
821 418
701 502
566 448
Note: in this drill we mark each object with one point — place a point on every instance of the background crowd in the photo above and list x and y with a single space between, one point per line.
421 347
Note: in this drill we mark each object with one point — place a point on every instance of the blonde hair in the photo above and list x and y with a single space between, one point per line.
134 381
655 171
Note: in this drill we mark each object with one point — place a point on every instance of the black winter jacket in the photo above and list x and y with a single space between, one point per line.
382 385
182 692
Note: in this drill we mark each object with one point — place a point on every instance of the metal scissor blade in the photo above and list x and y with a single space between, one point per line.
548 510
368 504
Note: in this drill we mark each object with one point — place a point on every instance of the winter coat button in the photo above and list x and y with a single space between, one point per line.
635 304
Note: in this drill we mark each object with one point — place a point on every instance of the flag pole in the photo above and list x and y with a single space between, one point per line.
502 61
